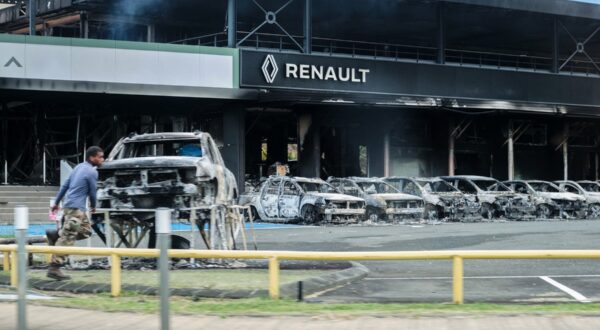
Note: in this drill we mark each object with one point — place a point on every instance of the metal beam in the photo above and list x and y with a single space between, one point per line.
31 11
307 26
441 42
555 45
231 23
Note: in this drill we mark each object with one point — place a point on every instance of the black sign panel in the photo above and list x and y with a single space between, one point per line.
337 74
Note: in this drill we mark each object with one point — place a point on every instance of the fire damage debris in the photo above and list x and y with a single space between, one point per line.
181 171
589 190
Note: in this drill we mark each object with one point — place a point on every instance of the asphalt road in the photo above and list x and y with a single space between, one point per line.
430 281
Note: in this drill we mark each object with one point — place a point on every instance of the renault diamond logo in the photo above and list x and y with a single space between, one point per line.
269 69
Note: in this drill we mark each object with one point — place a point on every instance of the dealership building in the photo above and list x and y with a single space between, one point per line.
504 88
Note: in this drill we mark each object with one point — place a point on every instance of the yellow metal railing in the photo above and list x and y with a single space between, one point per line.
274 258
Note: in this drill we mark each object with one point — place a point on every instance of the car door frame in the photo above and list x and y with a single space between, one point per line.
294 200
263 194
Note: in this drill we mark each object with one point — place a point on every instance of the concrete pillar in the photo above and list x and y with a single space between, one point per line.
231 23
376 153
511 153
386 154
565 151
309 144
151 33
307 26
234 129
451 142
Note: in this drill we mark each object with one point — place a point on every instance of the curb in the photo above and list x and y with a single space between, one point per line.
289 290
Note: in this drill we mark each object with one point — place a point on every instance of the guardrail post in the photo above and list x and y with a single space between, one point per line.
13 269
274 278
6 261
21 225
115 275
163 231
457 280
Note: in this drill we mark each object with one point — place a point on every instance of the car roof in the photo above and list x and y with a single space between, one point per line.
468 177
164 136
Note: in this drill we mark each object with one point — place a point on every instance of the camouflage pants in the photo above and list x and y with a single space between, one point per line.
76 227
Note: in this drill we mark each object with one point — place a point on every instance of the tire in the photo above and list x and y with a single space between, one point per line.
594 211
545 211
373 214
255 215
487 211
431 212
310 215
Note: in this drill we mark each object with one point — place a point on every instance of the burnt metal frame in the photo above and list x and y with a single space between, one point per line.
579 47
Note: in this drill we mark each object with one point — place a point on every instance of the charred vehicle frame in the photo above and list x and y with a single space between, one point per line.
181 171
442 200
297 199
496 199
549 199
384 202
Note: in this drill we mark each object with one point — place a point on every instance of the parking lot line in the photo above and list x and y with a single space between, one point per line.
476 277
578 296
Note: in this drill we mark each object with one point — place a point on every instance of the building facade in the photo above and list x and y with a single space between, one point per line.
504 88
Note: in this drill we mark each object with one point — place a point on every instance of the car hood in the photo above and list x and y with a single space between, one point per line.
151 162
336 197
395 197
562 195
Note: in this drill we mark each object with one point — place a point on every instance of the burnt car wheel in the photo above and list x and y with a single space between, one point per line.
544 211
373 214
254 212
310 214
487 211
594 211
431 212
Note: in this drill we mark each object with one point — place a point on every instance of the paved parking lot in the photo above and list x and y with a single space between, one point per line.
485 280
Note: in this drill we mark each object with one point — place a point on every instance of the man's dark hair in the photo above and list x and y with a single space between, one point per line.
92 152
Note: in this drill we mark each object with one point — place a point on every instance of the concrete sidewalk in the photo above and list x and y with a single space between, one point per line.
40 317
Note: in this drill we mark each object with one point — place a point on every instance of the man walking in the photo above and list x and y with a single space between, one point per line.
80 185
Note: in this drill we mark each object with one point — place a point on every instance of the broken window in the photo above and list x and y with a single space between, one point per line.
533 134
292 152
264 148
363 159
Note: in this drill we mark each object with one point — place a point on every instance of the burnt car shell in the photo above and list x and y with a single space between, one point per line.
133 182
442 203
496 199
387 203
295 199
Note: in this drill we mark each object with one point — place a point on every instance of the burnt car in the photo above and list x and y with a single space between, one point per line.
174 170
497 200
384 202
586 189
442 200
549 199
297 199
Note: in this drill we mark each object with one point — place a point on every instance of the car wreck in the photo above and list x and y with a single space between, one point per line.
181 171
297 199
550 201
442 200
384 202
497 200
586 189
